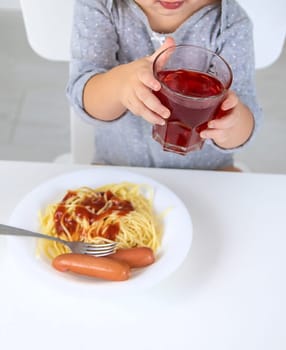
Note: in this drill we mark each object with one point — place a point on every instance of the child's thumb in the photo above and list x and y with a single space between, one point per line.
168 42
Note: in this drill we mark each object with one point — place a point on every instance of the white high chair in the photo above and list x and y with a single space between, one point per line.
48 27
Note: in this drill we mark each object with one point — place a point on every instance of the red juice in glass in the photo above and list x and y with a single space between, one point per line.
192 95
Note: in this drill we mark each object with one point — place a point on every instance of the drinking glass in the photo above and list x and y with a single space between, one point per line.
194 82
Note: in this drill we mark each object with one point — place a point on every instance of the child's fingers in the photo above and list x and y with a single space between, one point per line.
218 129
167 43
151 117
147 78
217 135
226 122
151 101
137 107
230 102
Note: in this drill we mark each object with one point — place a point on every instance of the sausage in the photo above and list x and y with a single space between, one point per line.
87 265
135 257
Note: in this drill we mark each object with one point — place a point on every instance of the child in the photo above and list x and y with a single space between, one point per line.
114 44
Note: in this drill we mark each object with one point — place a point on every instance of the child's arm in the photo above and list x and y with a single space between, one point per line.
107 96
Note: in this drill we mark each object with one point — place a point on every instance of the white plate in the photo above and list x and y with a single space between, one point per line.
176 241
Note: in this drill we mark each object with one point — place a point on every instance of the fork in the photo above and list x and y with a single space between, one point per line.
75 246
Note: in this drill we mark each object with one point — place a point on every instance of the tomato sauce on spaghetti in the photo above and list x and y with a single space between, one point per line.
91 208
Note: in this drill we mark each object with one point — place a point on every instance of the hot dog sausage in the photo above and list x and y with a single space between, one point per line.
135 257
101 267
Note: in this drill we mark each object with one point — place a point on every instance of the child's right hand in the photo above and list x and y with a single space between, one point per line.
138 82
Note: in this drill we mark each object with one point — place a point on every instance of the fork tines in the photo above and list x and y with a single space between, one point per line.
99 249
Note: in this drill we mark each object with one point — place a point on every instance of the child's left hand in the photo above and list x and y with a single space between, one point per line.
235 126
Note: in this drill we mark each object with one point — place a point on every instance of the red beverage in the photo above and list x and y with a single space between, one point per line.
192 98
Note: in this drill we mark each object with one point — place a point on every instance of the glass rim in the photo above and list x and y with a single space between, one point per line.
203 49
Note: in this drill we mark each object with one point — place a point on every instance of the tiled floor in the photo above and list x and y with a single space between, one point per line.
34 114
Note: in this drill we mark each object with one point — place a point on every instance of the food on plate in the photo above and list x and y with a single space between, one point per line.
120 212
114 267
135 257
91 266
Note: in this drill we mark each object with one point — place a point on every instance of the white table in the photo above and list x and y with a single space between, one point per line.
230 292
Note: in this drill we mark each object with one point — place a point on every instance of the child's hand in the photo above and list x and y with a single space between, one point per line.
234 128
138 82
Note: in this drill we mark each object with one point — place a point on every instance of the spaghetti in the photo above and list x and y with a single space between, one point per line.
115 212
